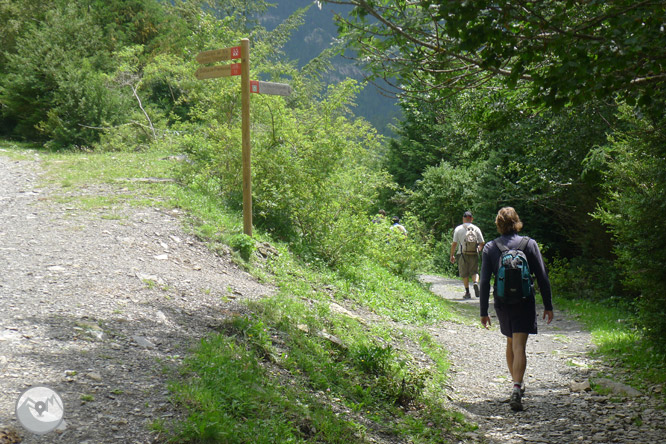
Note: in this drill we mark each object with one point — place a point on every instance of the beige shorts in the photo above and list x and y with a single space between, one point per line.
468 265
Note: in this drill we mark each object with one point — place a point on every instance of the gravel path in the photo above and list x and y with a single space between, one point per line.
94 303
558 409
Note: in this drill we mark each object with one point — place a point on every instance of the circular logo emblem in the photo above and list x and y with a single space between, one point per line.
40 409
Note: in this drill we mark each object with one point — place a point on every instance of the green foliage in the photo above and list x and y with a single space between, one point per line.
565 52
588 279
57 85
443 193
495 151
244 244
314 180
373 359
252 407
83 104
14 14
404 255
52 57
391 295
446 138
634 210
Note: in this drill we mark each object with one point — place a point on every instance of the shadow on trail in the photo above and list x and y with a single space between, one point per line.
110 370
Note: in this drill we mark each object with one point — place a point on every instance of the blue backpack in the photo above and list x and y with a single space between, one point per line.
513 284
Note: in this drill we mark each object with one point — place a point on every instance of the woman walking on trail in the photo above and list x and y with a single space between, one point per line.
517 317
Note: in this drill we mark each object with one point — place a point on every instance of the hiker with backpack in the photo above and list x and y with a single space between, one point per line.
513 259
467 242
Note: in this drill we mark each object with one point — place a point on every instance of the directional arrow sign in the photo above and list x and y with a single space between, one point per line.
212 72
274 89
217 55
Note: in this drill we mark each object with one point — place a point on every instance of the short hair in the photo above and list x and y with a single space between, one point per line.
507 221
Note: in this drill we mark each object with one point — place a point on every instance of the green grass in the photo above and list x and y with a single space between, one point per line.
232 397
620 343
19 150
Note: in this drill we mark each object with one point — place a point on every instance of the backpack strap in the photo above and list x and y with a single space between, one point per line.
500 245
523 243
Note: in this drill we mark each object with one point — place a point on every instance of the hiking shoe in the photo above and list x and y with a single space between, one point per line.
467 295
516 402
476 289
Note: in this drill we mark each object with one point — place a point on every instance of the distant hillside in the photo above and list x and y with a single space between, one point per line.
316 35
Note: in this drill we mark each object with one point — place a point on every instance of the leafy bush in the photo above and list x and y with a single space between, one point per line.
404 255
634 162
244 244
82 105
581 278
441 196
314 181
56 79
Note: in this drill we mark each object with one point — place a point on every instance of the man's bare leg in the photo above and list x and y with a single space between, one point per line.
475 280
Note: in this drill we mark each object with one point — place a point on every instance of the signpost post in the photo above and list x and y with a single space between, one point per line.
241 69
245 113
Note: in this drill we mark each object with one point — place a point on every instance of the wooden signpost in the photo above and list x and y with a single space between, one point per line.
242 69
218 55
275 89
212 72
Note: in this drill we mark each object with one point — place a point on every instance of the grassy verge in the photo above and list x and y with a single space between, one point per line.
620 343
299 368
345 376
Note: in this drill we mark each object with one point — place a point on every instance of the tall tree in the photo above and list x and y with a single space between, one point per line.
566 51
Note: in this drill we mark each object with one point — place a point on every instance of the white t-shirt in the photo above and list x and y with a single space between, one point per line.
460 232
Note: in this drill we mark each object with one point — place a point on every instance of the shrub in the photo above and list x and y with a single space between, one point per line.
404 255
581 278
315 181
244 244
634 162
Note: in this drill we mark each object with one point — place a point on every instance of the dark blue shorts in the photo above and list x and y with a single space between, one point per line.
518 318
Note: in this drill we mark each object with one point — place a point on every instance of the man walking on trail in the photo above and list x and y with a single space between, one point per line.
467 242
515 305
